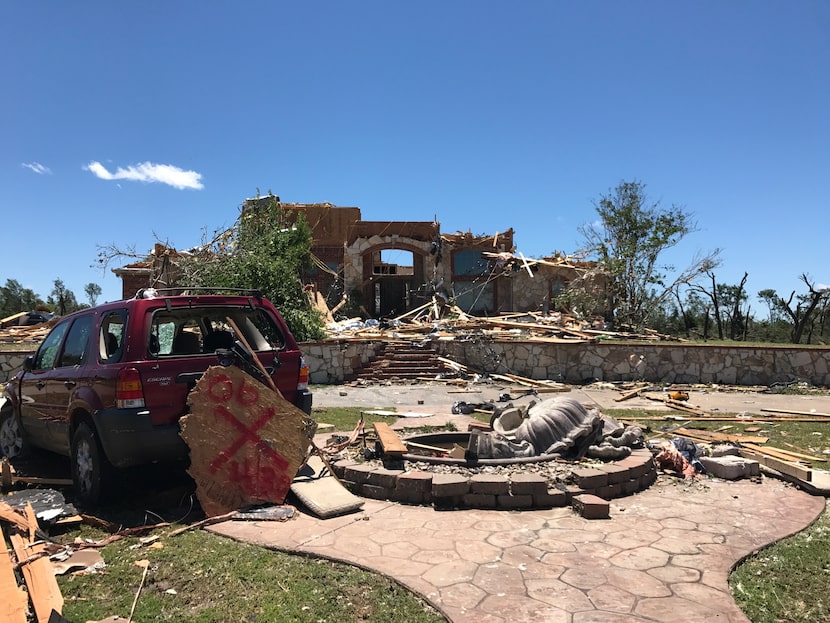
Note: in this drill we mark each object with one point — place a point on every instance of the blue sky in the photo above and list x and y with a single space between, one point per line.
124 122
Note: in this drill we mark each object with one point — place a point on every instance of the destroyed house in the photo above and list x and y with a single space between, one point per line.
386 268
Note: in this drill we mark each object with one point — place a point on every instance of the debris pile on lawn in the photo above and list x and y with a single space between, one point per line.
693 451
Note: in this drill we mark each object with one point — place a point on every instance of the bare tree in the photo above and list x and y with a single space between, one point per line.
806 306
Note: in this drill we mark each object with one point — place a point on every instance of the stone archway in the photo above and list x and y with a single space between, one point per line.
393 278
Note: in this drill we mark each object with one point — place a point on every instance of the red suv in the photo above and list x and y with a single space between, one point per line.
108 384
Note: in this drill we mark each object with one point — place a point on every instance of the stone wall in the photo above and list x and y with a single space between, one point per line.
655 362
10 363
332 361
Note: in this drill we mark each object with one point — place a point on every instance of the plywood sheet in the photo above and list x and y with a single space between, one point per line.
246 441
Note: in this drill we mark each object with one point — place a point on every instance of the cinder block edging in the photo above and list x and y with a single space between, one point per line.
611 480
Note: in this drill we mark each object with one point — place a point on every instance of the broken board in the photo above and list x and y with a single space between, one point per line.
13 599
246 441
389 439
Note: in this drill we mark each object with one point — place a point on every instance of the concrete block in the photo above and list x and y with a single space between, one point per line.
550 499
730 467
479 500
383 477
449 485
591 507
490 484
358 472
528 484
375 492
589 478
725 450
514 502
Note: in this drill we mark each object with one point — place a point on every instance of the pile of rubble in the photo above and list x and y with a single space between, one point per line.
442 321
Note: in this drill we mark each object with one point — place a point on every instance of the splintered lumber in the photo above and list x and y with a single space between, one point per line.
710 436
428 448
674 404
785 467
13 516
13 599
39 575
629 394
389 439
807 413
246 441
778 453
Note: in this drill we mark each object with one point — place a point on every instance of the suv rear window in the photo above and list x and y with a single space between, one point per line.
199 330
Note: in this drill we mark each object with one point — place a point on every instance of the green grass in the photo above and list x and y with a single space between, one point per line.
201 577
344 419
787 582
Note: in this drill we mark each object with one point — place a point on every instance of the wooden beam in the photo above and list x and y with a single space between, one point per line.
785 467
807 413
715 436
40 578
389 439
13 599
774 452
629 394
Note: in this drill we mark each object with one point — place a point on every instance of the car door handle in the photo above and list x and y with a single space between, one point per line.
40 384
69 384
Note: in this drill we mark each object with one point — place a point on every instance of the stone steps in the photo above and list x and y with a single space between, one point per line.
400 361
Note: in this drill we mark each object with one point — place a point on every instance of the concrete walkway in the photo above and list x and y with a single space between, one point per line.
664 555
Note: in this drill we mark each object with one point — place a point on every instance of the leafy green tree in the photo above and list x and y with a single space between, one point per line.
62 299
266 249
15 298
92 291
627 242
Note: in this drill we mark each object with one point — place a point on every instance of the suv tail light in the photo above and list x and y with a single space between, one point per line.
129 394
302 380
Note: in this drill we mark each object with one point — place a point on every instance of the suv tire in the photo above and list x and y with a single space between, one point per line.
12 443
90 467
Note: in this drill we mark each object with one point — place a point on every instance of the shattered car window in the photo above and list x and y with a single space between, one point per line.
198 331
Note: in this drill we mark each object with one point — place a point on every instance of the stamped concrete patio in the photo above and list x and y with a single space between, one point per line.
663 556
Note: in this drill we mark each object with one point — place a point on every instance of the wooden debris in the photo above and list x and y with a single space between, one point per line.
805 413
8 478
630 394
777 453
37 571
389 440
422 446
246 441
710 436
785 467
13 599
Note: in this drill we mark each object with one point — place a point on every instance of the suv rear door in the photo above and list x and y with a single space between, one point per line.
182 342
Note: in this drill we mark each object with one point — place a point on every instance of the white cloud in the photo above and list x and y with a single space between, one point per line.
150 173
37 168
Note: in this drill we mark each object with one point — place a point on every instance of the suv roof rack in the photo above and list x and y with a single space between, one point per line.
149 293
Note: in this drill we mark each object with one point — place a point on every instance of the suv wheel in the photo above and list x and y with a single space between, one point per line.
89 465
12 443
